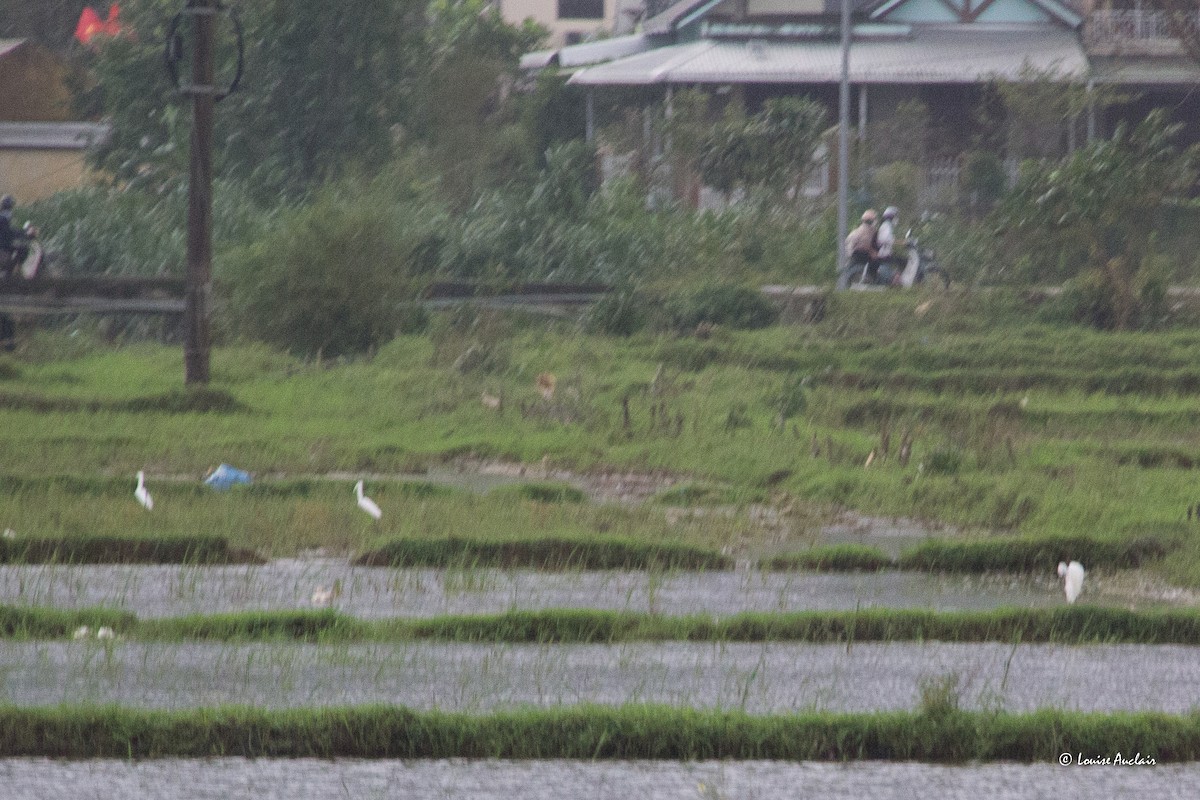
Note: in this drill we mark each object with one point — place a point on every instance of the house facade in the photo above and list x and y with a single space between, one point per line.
41 150
38 159
942 53
573 21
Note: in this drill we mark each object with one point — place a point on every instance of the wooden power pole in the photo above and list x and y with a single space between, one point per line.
199 221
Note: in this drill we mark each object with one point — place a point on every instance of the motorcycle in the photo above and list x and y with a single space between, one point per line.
919 266
23 262
26 260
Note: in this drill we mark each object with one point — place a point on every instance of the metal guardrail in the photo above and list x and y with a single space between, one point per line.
97 294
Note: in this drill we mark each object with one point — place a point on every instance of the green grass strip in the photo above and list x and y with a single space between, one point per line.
549 553
832 558
592 732
1080 624
1033 554
124 550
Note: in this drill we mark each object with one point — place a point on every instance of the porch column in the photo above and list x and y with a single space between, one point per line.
1091 112
590 115
862 112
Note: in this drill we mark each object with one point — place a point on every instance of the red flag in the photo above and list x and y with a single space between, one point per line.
112 25
90 24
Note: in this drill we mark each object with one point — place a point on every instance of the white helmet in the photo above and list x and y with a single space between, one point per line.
890 212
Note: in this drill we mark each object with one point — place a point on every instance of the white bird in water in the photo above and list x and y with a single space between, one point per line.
324 596
105 633
142 493
1073 584
82 632
365 503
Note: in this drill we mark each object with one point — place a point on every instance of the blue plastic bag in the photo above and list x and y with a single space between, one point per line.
225 476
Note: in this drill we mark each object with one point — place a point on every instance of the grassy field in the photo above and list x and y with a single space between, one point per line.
987 414
937 732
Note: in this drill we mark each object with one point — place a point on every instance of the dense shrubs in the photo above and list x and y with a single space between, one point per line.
730 305
337 277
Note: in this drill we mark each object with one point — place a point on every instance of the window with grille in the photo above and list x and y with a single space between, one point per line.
581 9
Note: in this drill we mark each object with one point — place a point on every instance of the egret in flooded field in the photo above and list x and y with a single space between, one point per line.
365 503
1073 573
105 633
82 632
325 595
142 493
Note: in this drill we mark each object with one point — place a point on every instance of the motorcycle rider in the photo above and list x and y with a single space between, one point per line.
860 243
885 243
14 246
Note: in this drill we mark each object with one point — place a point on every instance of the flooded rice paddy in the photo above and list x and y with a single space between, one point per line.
265 779
755 677
376 592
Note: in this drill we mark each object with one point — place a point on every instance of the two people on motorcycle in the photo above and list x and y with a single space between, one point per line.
870 249
14 242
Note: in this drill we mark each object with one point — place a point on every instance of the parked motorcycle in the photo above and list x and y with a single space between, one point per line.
919 266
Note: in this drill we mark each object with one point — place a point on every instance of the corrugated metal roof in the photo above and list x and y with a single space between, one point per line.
578 55
931 55
51 135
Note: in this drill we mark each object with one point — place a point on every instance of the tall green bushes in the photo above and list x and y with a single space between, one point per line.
336 277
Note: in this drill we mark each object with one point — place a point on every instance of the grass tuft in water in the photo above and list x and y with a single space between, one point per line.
591 732
124 550
550 553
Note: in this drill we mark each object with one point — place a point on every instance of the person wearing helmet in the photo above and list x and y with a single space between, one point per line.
860 244
885 243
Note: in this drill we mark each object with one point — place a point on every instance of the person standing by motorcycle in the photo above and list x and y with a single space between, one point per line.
14 247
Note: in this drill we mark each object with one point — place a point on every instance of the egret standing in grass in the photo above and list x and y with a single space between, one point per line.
1073 573
365 503
142 493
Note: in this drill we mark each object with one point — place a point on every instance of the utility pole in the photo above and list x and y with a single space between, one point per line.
843 279
199 220
201 17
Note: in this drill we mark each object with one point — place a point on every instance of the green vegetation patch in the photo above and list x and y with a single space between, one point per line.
124 550
53 623
302 625
182 401
592 732
542 492
1033 554
549 553
832 558
1079 624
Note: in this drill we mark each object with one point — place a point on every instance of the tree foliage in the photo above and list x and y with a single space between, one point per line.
323 90
770 150
335 276
1094 212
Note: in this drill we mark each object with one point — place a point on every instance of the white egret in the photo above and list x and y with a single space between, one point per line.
324 596
365 503
1073 584
82 632
142 493
105 633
